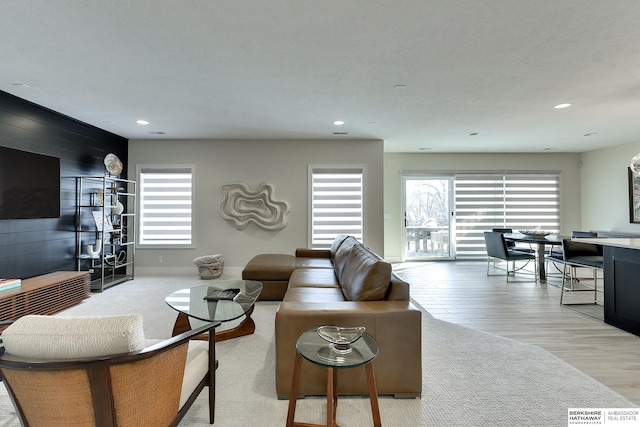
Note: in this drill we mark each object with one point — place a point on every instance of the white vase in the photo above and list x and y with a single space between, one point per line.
95 253
118 208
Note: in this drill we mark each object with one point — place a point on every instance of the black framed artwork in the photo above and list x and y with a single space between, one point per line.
634 197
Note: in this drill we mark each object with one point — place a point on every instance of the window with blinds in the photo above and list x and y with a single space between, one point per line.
166 206
336 200
517 201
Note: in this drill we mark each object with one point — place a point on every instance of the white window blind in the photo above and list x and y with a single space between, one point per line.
166 206
516 201
336 204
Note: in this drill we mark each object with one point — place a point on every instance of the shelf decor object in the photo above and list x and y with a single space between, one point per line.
113 164
535 233
244 206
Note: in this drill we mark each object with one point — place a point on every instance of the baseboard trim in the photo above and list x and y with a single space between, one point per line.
182 271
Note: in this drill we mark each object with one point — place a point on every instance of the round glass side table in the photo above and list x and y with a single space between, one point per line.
311 347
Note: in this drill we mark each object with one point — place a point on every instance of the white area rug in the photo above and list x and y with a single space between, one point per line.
470 378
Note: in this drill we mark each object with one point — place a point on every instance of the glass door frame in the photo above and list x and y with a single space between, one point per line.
425 176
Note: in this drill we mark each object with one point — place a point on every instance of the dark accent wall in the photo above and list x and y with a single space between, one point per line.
31 247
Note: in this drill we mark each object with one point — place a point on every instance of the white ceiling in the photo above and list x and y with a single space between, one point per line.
245 69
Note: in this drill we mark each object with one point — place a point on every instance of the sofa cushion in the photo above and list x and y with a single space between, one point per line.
314 295
398 289
269 267
313 277
57 337
338 241
308 262
366 276
341 255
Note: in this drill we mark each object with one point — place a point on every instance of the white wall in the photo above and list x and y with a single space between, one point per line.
395 163
605 188
280 163
601 205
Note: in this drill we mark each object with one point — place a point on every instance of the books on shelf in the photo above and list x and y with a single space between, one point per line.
6 284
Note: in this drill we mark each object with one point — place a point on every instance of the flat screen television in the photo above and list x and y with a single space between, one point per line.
29 185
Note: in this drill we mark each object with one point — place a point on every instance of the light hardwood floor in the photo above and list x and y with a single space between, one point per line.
530 312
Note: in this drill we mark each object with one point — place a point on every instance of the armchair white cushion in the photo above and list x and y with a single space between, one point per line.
59 337
115 376
196 367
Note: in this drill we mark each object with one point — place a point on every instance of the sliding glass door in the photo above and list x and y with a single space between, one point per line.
445 216
428 215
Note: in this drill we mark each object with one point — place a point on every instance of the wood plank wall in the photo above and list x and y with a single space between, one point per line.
31 247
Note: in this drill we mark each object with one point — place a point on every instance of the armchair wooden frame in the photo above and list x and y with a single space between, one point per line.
139 388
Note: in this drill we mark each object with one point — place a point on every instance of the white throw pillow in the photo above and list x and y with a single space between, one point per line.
58 337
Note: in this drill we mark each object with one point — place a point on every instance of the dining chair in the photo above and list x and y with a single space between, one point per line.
556 255
511 244
580 255
497 249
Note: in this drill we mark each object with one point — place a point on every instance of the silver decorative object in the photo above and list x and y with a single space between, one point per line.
341 337
113 164
535 233
244 206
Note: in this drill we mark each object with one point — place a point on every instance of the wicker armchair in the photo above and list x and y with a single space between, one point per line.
145 386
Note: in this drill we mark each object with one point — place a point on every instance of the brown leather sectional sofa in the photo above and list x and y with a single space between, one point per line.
348 285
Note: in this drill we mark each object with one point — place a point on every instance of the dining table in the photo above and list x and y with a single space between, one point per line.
541 243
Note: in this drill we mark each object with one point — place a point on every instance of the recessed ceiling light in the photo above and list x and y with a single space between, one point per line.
157 132
341 133
142 122
473 133
338 122
561 106
19 84
424 148
590 133
400 87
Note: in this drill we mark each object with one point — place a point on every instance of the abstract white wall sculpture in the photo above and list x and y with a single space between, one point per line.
243 206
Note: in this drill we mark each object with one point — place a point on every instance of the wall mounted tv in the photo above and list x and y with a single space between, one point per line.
29 185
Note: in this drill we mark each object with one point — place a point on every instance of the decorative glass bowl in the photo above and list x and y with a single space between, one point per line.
535 233
341 337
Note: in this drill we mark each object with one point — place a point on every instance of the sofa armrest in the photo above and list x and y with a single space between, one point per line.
313 253
396 325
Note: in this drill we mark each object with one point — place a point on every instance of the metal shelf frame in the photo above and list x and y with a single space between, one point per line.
98 223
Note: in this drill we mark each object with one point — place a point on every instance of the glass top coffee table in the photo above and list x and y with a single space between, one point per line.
311 347
191 302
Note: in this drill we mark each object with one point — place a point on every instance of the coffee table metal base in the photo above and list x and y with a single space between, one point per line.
332 396
246 327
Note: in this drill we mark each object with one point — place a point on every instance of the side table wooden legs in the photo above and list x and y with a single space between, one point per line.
293 394
332 396
246 327
373 395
